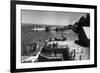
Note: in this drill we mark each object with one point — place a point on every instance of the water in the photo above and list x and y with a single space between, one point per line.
27 35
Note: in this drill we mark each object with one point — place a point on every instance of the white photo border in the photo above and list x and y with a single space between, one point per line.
51 64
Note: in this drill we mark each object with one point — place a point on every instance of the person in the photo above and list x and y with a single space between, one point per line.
81 52
62 35
74 52
56 45
34 46
53 45
50 39
80 57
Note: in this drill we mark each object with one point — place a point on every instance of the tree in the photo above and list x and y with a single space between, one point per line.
87 22
82 21
47 29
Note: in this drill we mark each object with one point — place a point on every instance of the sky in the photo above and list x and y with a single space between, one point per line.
49 17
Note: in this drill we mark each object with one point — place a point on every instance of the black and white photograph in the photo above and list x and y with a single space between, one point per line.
52 36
